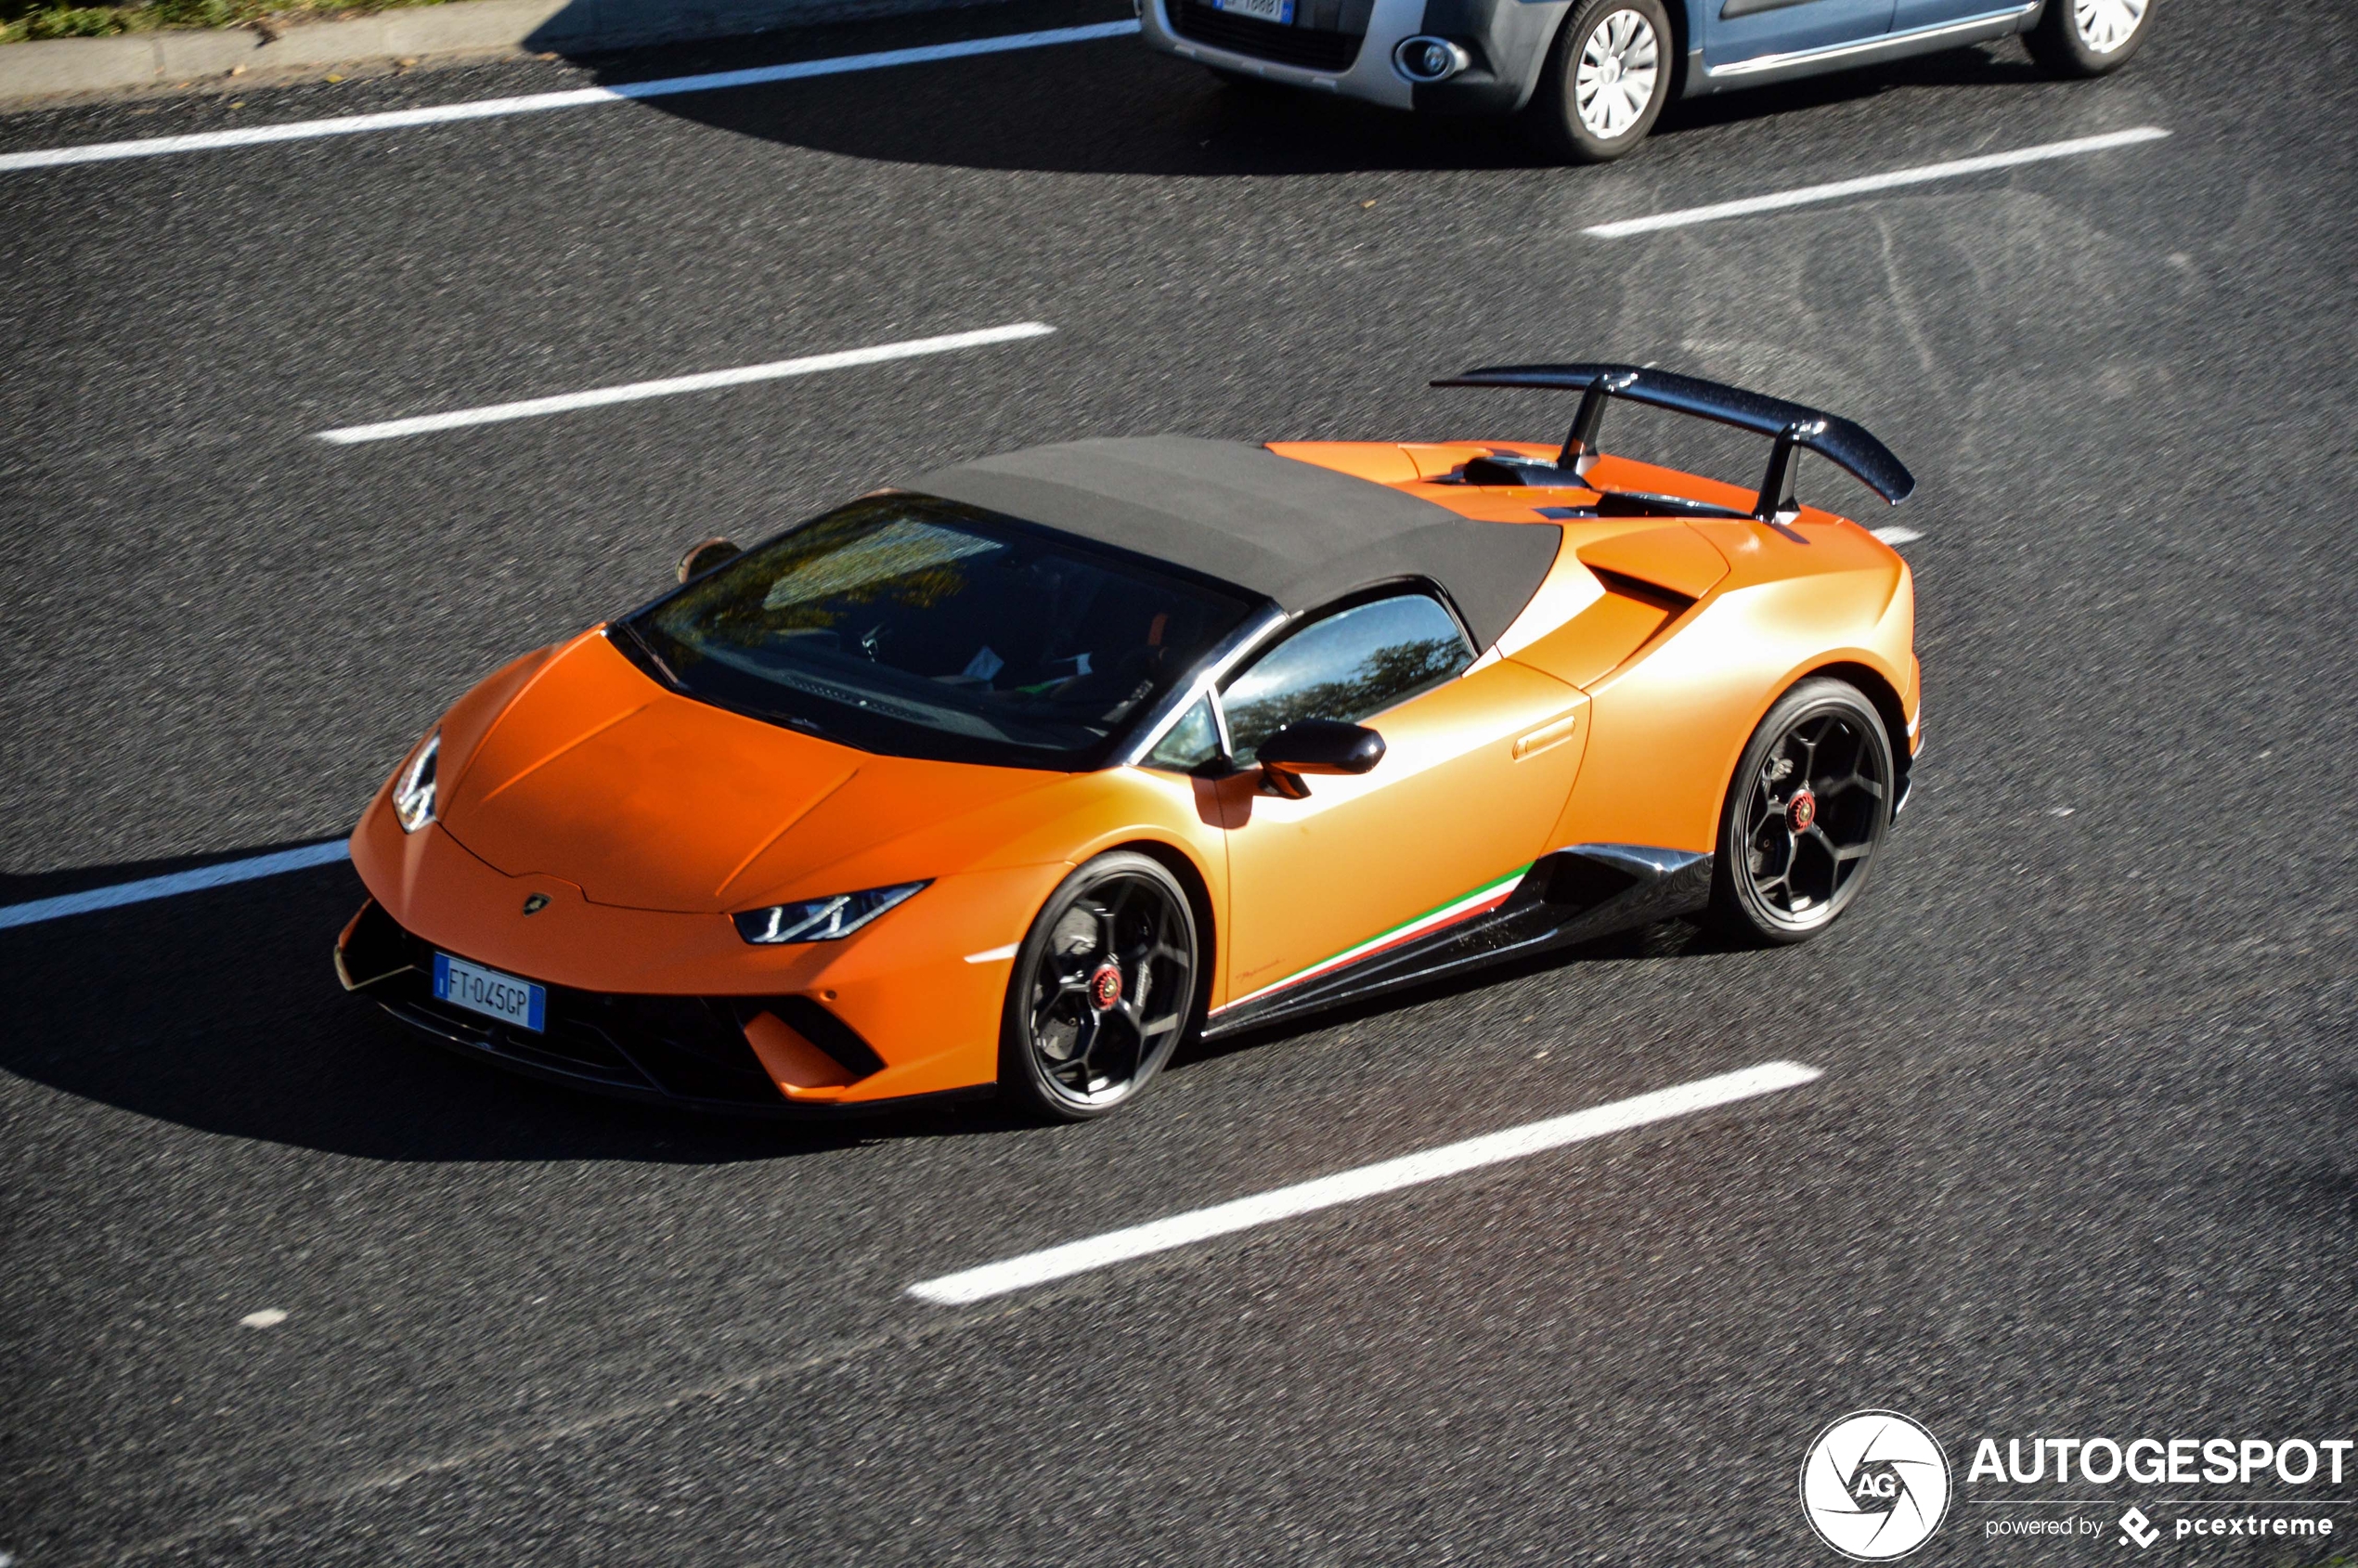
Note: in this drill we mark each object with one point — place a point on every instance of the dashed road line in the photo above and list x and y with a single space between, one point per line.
222 876
1867 185
1896 535
1349 1187
777 370
575 98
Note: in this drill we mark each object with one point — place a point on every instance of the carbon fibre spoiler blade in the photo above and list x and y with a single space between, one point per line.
1793 427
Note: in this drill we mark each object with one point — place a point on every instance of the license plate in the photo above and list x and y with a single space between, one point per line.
488 992
1278 11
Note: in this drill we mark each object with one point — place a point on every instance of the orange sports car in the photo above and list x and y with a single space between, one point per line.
1014 777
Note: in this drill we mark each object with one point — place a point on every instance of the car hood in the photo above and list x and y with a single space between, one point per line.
646 800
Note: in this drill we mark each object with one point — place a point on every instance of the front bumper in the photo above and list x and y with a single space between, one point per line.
1347 46
653 1003
1366 74
780 1055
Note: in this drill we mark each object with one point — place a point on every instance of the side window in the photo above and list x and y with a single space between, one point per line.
1351 666
1192 742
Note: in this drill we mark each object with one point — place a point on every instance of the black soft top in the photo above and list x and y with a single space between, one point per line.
1294 532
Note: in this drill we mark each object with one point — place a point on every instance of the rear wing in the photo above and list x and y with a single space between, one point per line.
1794 428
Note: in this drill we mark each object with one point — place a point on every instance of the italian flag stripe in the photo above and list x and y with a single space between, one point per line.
1489 896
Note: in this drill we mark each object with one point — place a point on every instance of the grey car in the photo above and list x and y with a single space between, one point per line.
1591 76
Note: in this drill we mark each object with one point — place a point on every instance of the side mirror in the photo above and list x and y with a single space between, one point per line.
704 557
1315 745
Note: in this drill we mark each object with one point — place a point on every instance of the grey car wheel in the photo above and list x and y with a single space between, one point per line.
2089 37
1606 79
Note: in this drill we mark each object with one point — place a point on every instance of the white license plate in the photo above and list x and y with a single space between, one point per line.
1278 11
488 992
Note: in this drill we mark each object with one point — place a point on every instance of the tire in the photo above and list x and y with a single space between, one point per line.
2089 37
1785 870
1604 49
1067 1052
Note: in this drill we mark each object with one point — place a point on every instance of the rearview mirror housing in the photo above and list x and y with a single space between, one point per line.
1315 745
701 558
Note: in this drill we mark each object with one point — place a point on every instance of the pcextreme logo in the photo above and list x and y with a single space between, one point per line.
1876 1485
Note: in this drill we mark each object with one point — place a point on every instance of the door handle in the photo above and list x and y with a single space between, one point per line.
1553 733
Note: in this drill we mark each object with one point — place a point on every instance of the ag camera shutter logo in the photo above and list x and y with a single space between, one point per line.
1876 1485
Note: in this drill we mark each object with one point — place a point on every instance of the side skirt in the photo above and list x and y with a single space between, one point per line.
1762 69
1572 895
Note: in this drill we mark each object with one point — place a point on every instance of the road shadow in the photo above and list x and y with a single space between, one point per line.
220 1011
1667 939
1112 106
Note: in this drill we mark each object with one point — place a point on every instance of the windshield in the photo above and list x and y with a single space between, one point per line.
925 628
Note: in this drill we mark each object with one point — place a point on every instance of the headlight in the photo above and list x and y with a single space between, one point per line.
413 786
821 920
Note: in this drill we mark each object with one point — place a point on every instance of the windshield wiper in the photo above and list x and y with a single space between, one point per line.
639 639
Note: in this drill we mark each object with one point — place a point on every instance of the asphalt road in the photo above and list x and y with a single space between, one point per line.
2085 1155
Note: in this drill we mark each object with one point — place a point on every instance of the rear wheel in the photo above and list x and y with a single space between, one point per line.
1104 987
1806 812
2089 37
1605 82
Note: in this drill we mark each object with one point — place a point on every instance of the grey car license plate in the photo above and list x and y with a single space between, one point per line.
1278 11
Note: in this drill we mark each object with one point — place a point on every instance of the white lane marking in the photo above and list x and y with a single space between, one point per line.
268 1318
167 886
1805 194
1367 1181
534 408
993 955
1896 535
576 98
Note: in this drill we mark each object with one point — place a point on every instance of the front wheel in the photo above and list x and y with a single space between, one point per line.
1806 812
1104 985
2089 37
1605 82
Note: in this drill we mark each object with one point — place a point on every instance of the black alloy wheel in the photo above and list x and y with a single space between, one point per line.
1104 985
1807 811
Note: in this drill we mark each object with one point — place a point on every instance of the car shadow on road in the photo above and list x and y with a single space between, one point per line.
220 1011
1668 938
1112 106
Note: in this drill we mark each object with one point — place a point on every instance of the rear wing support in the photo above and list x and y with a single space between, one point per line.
1793 429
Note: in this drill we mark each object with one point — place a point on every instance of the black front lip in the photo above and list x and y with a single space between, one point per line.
497 1044
456 1041
600 1043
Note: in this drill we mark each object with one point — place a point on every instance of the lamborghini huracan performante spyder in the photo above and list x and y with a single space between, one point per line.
1016 776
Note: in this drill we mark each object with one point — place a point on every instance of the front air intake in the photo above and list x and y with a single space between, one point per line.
1312 48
